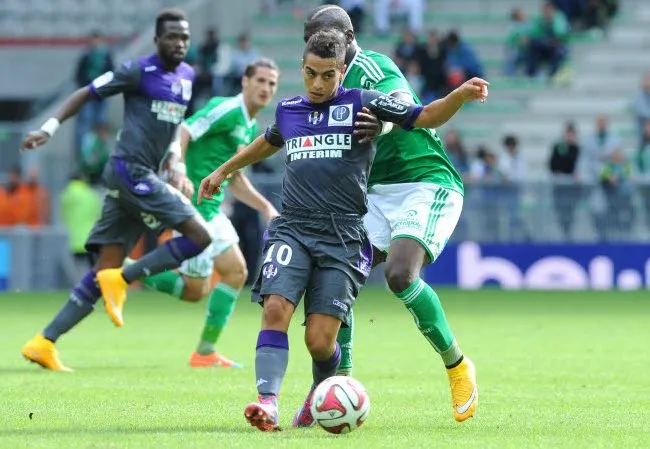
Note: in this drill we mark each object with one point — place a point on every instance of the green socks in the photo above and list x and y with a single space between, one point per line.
169 282
220 308
344 339
424 305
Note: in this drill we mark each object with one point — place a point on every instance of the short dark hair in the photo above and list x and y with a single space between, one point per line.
327 44
262 62
328 17
510 141
168 15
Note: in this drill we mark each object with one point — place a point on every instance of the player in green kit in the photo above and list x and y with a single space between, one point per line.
415 198
208 139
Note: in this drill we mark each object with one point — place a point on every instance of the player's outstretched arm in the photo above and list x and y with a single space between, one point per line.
438 112
244 191
71 106
258 150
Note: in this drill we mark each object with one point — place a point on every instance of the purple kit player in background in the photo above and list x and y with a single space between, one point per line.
156 91
318 246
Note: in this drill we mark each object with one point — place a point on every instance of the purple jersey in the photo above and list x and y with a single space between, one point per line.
327 168
155 101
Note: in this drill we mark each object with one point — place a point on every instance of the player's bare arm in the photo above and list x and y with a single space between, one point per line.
244 191
175 163
258 150
438 112
72 105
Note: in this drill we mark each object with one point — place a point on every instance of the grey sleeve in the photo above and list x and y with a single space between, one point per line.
125 79
391 109
273 136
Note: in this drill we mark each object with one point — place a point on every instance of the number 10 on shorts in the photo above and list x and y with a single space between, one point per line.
282 256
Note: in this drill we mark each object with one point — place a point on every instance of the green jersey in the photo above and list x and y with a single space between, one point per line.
217 131
402 156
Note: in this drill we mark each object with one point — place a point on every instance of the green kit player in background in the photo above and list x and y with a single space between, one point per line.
208 139
415 197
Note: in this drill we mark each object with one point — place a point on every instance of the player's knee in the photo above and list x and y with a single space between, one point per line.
195 290
277 313
399 277
196 232
235 277
319 345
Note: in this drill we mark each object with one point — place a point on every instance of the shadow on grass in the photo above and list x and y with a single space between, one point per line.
121 429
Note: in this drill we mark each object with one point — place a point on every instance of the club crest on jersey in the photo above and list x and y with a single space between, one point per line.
340 115
315 117
318 147
269 271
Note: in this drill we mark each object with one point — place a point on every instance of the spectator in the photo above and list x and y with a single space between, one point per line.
615 181
95 150
549 41
456 152
512 166
598 149
38 204
643 170
487 193
413 9
207 58
566 191
573 10
17 197
597 13
4 208
356 9
642 106
517 41
413 74
432 63
408 49
461 61
94 61
80 207
241 56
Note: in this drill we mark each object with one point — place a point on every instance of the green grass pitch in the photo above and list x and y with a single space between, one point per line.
555 370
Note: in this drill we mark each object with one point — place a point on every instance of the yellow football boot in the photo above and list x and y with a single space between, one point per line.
464 391
113 287
43 352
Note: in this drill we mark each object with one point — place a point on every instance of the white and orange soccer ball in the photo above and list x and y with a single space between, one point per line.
340 404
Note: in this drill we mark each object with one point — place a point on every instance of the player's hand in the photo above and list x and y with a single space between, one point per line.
367 126
474 89
211 185
185 186
34 139
269 214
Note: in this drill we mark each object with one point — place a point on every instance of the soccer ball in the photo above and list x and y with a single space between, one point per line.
340 404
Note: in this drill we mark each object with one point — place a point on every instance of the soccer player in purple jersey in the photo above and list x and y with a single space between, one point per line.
318 247
156 90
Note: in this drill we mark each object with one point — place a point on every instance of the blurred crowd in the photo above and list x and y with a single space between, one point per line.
594 169
591 169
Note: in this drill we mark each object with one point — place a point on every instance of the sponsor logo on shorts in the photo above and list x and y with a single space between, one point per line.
269 271
408 222
340 305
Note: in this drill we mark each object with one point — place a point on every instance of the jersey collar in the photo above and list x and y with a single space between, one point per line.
347 69
244 109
